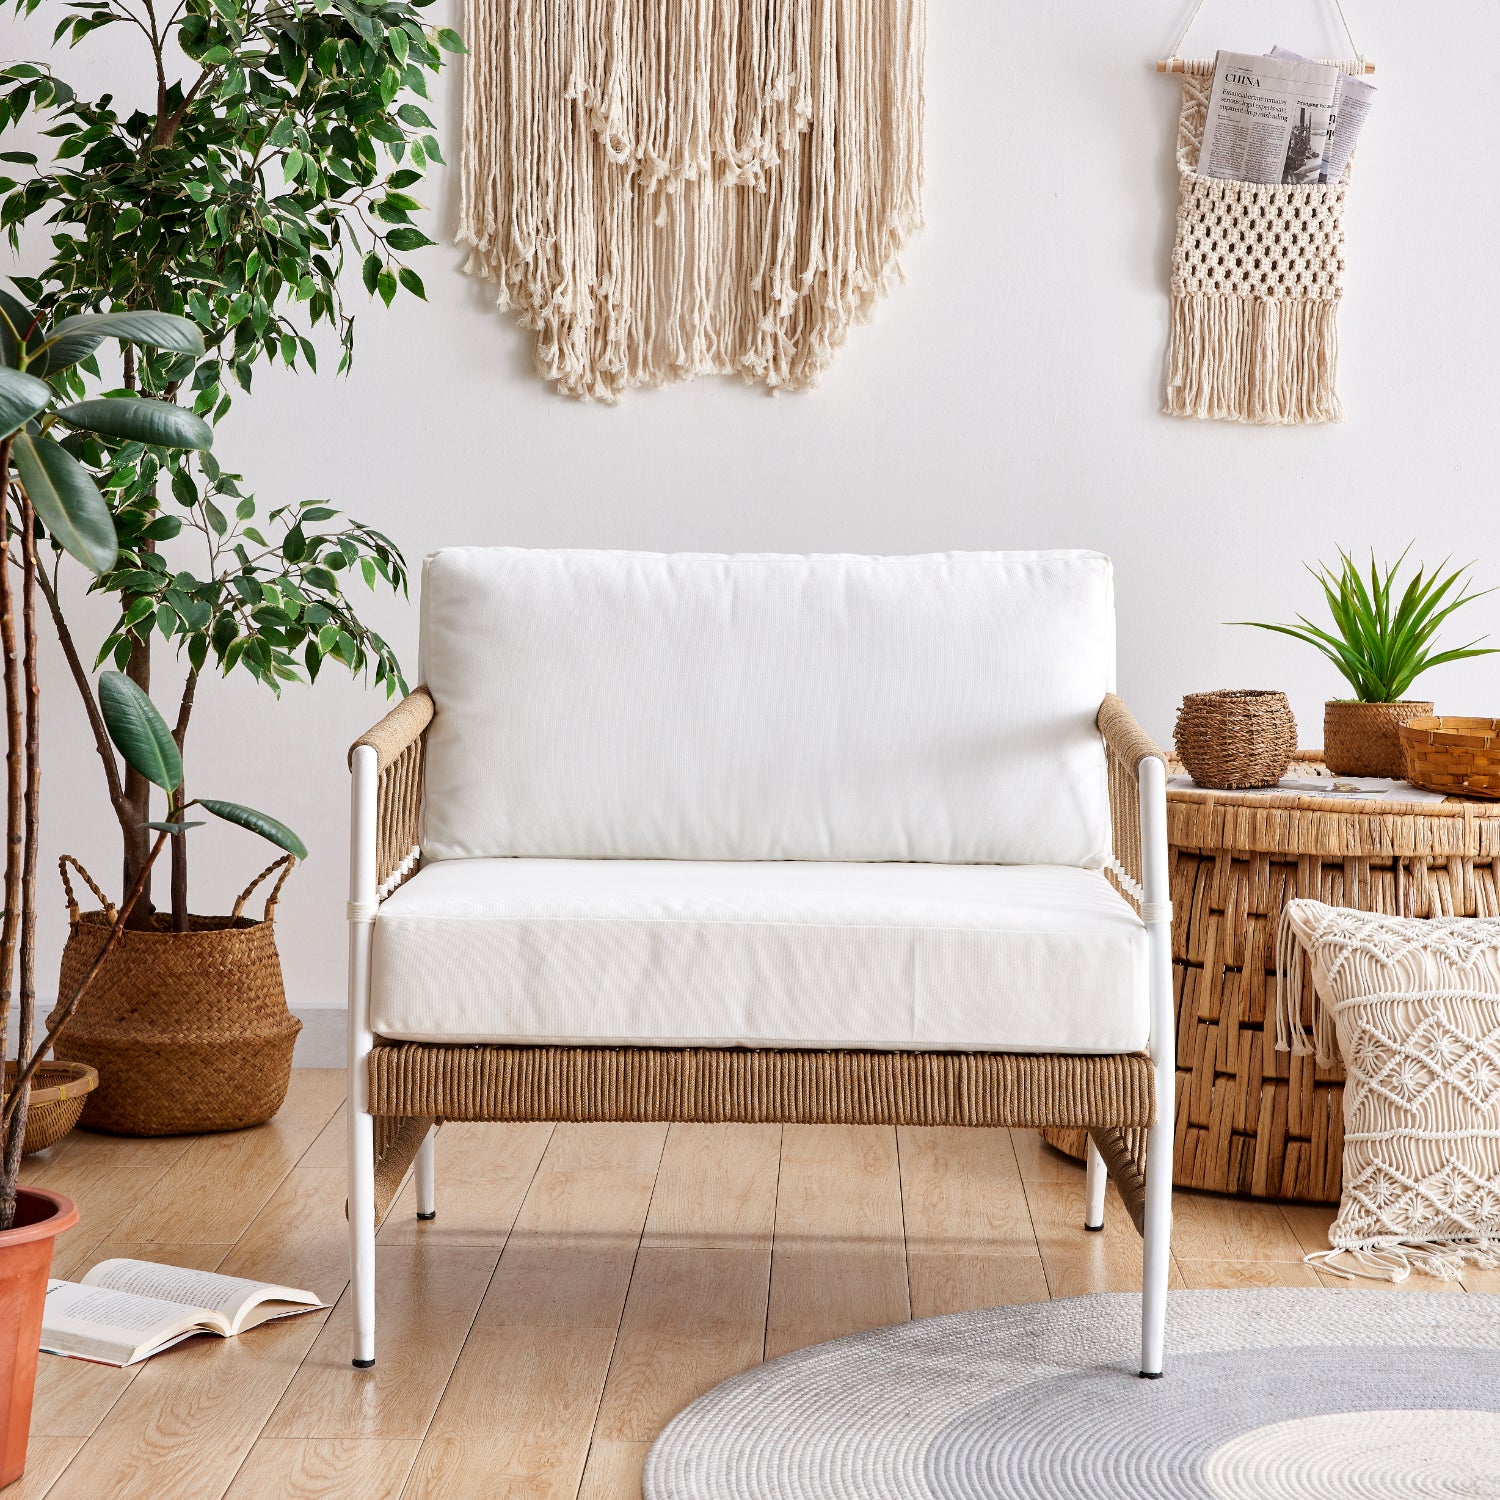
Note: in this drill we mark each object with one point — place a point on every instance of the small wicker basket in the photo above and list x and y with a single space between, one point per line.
1458 756
1236 738
58 1091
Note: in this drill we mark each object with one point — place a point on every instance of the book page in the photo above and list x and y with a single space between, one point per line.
233 1298
114 1327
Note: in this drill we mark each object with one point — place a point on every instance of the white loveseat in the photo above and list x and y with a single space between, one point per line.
695 837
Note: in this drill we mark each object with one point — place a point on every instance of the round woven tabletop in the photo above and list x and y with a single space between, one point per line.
1252 1120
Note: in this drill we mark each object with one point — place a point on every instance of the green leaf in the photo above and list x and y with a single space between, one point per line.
174 827
449 40
407 238
22 396
156 330
139 732
147 421
257 822
67 500
371 271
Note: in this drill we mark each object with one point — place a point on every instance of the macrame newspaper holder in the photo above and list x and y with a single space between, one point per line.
670 188
1414 1007
1257 275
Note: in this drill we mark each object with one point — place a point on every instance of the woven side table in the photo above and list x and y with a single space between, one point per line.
1251 1120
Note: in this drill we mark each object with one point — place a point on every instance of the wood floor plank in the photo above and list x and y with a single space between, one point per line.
107 1176
613 1471
1211 1226
716 1188
693 1318
1245 1275
299 1237
331 1147
1076 1261
222 1181
324 1469
969 1241
427 1298
46 1458
483 1172
838 1263
186 1422
519 1409
514 1423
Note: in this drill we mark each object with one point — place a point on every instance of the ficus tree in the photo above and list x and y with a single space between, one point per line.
52 497
280 157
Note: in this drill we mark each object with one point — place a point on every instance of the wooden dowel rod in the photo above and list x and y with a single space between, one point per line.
1176 65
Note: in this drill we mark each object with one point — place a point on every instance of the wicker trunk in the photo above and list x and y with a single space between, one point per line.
189 1031
1251 1120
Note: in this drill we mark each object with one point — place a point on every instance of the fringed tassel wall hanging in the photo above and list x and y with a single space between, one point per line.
670 188
1257 276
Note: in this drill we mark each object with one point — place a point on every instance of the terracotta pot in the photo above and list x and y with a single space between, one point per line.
25 1260
1364 739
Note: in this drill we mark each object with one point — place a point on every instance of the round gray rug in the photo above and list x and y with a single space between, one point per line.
1275 1395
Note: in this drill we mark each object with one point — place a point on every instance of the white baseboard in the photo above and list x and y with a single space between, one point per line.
320 1044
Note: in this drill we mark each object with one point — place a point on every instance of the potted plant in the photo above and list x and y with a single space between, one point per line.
286 150
1382 638
50 495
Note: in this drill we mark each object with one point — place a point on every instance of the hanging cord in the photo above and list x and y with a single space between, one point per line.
1338 5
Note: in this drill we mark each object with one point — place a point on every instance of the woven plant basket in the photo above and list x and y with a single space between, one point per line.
58 1091
1252 1120
1364 739
1457 756
189 1031
1236 737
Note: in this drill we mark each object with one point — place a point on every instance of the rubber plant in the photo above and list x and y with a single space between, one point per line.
285 154
52 496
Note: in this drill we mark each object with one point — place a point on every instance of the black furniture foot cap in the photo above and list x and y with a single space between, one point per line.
363 1364
1151 1374
1094 1228
425 1217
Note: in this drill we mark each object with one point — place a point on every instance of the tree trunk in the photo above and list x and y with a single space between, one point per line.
179 841
14 1140
13 823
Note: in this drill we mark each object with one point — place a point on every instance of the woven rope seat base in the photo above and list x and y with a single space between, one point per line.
413 1084
1251 1120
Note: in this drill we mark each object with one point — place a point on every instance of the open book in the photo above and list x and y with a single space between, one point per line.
127 1310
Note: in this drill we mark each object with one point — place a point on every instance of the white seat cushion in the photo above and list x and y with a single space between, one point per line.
630 705
1036 958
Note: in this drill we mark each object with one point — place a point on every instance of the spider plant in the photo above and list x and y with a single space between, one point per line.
1382 640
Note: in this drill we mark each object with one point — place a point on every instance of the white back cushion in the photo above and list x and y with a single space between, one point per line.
689 706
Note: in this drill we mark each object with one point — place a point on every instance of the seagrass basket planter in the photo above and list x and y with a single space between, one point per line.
189 1031
1239 737
1364 739
1251 1120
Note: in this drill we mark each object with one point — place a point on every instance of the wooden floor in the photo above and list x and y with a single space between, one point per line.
580 1284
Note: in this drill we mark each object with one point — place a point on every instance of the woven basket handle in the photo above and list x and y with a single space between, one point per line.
286 864
110 914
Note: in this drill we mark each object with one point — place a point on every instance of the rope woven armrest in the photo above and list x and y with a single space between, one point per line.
1127 741
399 729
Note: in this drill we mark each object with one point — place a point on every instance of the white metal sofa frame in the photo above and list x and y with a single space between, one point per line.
399 1092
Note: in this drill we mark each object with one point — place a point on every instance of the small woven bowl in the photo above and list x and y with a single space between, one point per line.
1457 756
1236 738
58 1092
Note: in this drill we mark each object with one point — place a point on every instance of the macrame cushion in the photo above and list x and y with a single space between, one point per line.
1415 1008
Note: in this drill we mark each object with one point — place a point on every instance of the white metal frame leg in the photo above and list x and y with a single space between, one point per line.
1095 1182
361 1161
1157 911
427 1176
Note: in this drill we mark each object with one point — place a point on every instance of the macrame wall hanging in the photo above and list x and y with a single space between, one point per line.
1257 276
670 188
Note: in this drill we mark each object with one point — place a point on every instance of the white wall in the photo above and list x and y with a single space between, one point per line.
1006 396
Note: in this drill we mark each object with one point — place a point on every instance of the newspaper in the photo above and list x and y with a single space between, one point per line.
1351 104
1269 119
